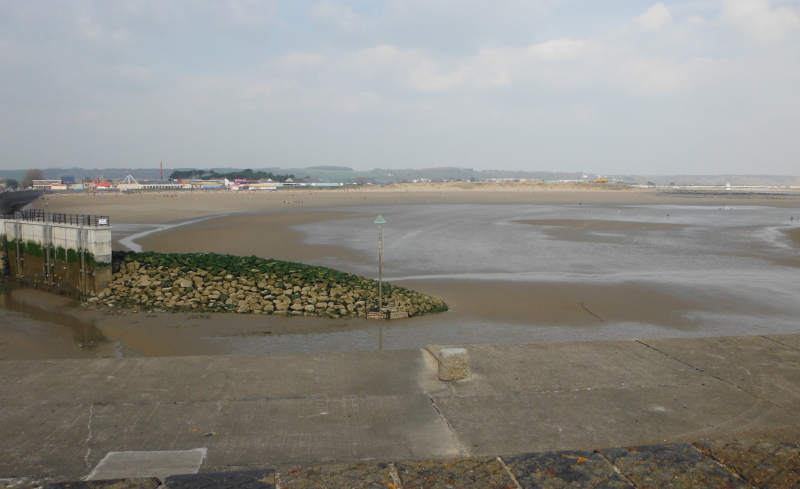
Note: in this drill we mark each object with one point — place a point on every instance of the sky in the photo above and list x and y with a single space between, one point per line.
612 87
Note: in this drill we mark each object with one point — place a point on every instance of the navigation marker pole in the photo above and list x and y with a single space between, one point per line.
380 221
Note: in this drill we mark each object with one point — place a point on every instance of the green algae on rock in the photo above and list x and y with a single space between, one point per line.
226 283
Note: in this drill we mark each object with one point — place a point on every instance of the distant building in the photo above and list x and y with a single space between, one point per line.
68 180
45 184
102 184
205 184
263 186
160 184
291 183
129 183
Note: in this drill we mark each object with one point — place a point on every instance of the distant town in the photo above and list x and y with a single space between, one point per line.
233 179
129 183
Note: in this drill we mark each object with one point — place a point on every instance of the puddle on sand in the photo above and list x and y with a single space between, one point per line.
84 332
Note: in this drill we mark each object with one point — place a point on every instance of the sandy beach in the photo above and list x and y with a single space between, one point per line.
295 225
168 207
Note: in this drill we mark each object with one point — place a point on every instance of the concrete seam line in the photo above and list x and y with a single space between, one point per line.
449 427
718 378
88 438
553 391
508 471
615 468
780 342
217 401
398 483
351 396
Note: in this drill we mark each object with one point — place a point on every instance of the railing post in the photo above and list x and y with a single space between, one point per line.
38 215
18 242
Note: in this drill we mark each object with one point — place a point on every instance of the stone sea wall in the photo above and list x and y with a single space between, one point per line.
226 283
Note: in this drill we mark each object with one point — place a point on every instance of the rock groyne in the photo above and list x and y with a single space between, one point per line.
225 283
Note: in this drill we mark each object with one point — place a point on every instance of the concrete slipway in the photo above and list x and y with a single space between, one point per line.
59 419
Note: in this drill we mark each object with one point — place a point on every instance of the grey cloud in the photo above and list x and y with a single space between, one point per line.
523 84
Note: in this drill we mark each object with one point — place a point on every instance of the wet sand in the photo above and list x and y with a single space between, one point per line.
269 224
581 305
605 231
37 326
794 236
268 235
171 207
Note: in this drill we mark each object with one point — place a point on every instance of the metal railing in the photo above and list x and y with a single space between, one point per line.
57 218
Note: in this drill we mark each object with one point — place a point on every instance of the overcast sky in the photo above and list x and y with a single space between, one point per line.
696 87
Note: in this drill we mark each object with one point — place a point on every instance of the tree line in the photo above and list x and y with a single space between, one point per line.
247 174
27 179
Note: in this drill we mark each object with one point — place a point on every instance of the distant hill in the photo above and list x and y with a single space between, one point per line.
91 173
468 174
329 168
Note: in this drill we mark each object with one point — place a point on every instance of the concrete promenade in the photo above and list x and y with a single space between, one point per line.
60 419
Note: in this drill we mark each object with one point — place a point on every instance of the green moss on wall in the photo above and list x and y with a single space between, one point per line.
69 255
33 248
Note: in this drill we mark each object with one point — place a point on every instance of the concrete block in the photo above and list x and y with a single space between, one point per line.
453 364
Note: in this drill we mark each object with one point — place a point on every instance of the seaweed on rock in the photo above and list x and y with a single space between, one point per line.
213 282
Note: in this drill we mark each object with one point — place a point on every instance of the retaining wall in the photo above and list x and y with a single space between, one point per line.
69 257
11 201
